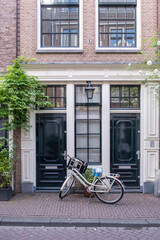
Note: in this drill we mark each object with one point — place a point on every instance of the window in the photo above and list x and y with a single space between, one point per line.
3 133
125 97
60 24
57 96
117 24
88 125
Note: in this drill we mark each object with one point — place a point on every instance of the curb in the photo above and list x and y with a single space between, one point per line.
70 222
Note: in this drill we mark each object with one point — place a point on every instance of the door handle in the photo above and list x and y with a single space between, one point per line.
138 154
64 155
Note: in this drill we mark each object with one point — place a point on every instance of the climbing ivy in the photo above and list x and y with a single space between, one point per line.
19 93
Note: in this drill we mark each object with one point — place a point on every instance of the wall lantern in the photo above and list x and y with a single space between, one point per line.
89 90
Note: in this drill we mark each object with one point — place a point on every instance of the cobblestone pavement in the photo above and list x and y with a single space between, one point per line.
131 206
58 233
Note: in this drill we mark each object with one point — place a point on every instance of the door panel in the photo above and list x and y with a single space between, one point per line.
125 145
50 144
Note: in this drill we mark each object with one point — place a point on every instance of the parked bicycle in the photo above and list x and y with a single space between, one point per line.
108 189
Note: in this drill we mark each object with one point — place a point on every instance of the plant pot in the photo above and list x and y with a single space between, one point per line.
88 194
5 194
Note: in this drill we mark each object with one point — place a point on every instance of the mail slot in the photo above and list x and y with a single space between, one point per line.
50 167
124 167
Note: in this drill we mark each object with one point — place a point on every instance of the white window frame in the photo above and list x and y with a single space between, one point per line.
120 49
59 49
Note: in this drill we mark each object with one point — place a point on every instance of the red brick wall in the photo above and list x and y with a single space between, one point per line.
7 33
158 16
28 39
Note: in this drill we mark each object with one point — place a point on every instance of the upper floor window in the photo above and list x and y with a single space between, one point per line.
59 24
117 24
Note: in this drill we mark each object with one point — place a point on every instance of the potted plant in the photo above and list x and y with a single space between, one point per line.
5 173
89 177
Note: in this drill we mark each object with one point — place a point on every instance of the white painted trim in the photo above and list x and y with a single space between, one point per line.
142 132
138 32
70 120
60 49
106 128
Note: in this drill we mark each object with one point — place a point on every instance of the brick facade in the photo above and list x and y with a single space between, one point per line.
7 33
28 38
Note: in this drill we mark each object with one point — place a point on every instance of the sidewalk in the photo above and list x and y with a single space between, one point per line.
46 209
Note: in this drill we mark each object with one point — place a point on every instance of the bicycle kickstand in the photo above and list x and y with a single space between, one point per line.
90 198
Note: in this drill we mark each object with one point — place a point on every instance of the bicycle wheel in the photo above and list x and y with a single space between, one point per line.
66 187
108 190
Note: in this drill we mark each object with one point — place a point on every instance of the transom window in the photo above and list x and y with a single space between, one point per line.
59 23
117 23
125 97
88 125
57 96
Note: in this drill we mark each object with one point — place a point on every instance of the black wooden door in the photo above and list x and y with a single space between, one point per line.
125 146
50 144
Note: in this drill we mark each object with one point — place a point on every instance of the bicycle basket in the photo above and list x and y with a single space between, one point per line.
78 164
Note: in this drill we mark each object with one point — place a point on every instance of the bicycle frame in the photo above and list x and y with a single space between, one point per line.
90 186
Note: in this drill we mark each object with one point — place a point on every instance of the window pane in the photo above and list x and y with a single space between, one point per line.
59 92
74 13
94 112
96 96
112 13
50 91
64 13
94 141
121 13
81 112
124 102
74 40
55 13
55 26
134 102
46 40
134 91
81 126
115 103
103 13
104 40
94 126
125 91
82 154
114 91
81 141
94 155
130 13
46 13
65 40
60 102
46 27
81 95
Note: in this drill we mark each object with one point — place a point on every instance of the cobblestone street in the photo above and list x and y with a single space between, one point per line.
59 233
